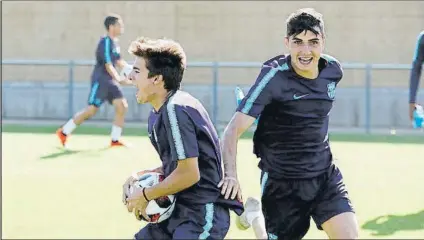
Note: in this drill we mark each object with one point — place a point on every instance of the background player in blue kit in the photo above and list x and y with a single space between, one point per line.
414 82
105 82
187 143
293 95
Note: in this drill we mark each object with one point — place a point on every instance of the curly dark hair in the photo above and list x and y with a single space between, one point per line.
303 20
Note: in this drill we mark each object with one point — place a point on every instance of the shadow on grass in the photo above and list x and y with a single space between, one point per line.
142 131
388 225
65 152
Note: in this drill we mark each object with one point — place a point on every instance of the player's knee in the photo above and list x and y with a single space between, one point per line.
121 106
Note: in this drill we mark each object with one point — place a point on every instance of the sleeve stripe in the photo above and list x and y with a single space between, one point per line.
176 134
328 58
262 83
417 47
107 50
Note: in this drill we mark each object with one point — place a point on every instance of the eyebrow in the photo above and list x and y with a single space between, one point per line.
136 68
310 40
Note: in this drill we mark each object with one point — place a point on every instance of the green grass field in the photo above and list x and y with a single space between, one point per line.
49 192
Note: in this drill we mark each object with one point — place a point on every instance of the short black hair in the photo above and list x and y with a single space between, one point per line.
303 20
163 57
111 20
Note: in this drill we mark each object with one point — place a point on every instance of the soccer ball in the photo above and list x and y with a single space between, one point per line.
158 209
126 70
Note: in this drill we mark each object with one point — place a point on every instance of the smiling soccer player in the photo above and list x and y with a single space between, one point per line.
294 95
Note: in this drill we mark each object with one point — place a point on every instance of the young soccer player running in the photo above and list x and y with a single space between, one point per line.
187 143
105 82
293 95
414 82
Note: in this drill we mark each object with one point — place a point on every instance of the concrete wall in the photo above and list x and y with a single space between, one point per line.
389 106
371 32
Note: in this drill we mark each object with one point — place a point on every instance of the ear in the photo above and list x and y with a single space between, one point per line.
158 79
286 42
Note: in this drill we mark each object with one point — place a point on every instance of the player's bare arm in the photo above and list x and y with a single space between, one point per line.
112 72
184 176
121 63
239 123
126 69
259 95
418 61
134 178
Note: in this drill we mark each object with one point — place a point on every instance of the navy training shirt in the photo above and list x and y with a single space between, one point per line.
291 138
417 65
108 51
182 129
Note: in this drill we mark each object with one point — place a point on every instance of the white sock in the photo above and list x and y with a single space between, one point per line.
252 216
69 127
116 133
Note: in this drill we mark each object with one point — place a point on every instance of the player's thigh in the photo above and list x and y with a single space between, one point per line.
152 231
209 222
341 226
98 94
333 200
286 214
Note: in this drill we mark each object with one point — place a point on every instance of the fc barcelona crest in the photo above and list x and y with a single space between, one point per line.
331 90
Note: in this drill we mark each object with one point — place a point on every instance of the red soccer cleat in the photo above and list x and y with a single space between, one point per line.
62 137
118 144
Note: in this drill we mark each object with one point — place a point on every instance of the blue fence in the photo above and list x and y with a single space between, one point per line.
215 68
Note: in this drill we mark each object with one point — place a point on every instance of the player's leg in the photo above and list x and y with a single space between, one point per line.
116 98
258 226
286 211
95 100
152 231
253 217
342 226
334 212
211 221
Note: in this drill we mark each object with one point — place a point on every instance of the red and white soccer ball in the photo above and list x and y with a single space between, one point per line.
158 209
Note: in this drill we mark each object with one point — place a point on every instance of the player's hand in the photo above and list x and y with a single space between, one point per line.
137 203
412 107
125 81
230 187
126 188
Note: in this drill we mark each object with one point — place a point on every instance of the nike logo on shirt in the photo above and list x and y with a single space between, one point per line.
295 97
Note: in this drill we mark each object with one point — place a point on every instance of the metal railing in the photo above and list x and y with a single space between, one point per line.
215 66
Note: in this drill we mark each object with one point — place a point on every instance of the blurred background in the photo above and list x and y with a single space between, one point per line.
48 52
48 47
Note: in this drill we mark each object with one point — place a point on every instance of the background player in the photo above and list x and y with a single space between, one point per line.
294 95
183 135
104 84
414 82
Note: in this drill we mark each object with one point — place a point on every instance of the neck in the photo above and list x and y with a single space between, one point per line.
160 100
311 74
111 36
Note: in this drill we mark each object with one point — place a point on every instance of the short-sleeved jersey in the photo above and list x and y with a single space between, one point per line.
107 51
291 138
416 70
182 129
